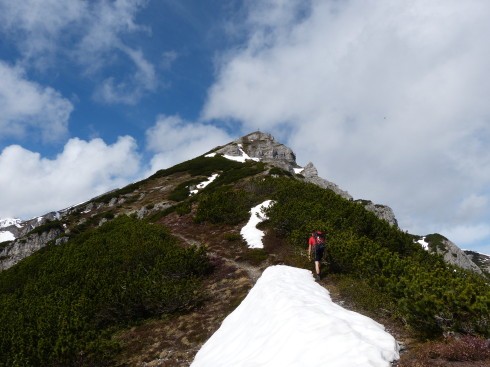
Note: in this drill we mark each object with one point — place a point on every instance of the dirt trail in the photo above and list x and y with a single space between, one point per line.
253 272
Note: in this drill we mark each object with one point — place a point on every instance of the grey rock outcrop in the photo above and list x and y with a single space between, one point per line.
311 175
20 249
264 147
453 254
482 260
383 212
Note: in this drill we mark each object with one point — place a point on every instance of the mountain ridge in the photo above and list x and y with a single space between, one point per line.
201 206
256 146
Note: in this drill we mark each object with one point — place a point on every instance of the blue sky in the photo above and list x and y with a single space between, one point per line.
389 99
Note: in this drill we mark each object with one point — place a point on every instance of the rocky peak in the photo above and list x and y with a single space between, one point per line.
262 146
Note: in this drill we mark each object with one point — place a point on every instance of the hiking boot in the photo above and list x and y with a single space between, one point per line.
317 276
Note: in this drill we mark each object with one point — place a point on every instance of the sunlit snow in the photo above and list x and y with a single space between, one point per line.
424 244
289 320
6 236
251 234
203 184
7 222
298 170
242 158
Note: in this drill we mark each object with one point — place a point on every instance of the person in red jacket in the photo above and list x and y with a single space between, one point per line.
316 244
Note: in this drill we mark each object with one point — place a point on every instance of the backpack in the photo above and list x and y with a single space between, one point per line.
320 240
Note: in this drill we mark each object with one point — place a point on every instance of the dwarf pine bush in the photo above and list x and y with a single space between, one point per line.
60 306
430 295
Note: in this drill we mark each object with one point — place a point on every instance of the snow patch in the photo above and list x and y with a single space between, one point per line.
250 233
203 184
289 320
242 158
7 222
6 236
298 170
424 244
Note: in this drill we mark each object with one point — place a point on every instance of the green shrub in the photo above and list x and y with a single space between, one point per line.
436 242
4 244
106 198
279 172
224 205
255 256
430 295
181 192
48 226
61 305
183 208
233 237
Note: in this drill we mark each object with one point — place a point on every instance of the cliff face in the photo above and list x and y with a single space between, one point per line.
26 246
452 254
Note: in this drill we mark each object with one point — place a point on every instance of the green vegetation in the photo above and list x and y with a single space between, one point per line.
116 193
61 305
233 237
255 256
181 192
4 244
436 242
276 171
201 166
224 205
48 226
430 295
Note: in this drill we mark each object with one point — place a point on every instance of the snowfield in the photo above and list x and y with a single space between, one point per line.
288 319
250 233
6 236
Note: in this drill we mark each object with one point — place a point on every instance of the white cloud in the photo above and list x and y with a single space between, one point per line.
103 41
26 105
134 87
174 140
387 98
89 34
464 235
38 25
32 185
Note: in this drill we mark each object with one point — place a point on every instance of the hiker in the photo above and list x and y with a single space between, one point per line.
316 244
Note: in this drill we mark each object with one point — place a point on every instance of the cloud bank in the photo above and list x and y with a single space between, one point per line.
31 185
388 99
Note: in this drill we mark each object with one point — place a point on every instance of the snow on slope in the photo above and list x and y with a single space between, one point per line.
289 320
250 233
424 244
6 236
243 158
7 222
203 184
